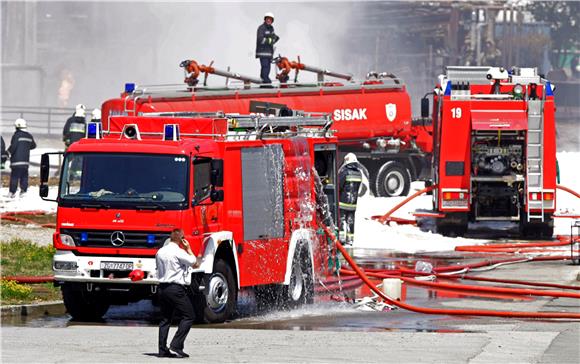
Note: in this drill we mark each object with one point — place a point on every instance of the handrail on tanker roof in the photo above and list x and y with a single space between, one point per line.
136 96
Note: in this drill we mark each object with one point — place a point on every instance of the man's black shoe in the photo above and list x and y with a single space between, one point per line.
166 354
179 353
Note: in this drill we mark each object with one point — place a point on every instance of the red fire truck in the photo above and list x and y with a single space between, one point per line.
241 188
371 118
495 154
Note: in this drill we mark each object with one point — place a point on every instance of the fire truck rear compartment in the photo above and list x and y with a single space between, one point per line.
497 174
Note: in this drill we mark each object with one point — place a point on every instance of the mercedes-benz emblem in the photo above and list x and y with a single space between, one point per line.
117 238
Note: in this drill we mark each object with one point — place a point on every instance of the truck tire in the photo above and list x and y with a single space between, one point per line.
392 180
300 289
221 294
83 305
454 224
536 230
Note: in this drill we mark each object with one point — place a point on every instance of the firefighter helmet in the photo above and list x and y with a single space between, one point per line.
20 123
80 110
269 15
96 114
350 158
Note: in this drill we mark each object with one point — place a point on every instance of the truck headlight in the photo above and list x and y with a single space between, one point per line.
67 240
518 90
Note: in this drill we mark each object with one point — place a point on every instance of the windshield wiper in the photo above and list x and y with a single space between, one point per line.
151 206
96 205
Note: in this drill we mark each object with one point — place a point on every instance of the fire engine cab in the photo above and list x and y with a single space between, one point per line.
495 149
242 189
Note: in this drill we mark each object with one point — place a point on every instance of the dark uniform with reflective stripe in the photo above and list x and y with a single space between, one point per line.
74 130
349 179
20 146
265 49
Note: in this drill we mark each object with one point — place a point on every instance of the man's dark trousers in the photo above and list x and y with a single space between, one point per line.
18 174
174 299
265 63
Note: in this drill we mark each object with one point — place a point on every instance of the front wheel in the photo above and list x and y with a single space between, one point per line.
221 294
83 305
392 180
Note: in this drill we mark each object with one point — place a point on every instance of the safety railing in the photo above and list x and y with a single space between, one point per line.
40 120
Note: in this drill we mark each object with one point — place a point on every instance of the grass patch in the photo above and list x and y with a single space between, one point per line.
24 258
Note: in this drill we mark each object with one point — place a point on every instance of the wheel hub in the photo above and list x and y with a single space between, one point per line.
296 285
394 183
218 292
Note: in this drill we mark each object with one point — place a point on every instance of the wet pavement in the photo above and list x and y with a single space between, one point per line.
329 315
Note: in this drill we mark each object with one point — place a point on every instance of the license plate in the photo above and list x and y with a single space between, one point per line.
116 265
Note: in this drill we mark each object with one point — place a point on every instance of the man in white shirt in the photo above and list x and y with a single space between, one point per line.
174 263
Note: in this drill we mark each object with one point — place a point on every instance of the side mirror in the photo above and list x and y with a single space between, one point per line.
424 107
44 168
217 195
43 191
217 172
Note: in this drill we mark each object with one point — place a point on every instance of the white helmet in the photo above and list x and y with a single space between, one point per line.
80 110
350 158
20 123
269 15
96 114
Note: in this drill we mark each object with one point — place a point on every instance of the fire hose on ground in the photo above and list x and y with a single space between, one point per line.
443 311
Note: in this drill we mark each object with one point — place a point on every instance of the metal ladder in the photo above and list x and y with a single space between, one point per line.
534 159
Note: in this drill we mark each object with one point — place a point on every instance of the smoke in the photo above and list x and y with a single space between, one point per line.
66 86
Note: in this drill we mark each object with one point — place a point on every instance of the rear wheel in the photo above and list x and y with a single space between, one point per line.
536 229
300 289
454 224
392 180
221 294
83 305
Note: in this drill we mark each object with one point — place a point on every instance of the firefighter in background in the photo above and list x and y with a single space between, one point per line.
491 55
265 46
74 129
20 146
349 180
96 115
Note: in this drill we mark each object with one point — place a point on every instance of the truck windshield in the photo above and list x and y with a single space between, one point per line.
148 181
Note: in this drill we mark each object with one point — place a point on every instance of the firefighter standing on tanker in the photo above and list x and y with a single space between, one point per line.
265 41
20 146
174 263
74 129
349 180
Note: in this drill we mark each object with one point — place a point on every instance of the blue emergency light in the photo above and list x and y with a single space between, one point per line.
94 130
448 89
129 87
84 236
549 89
150 239
171 132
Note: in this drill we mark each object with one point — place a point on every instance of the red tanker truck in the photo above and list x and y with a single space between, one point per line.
372 118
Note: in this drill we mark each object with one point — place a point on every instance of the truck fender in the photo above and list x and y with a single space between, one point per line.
300 235
210 246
